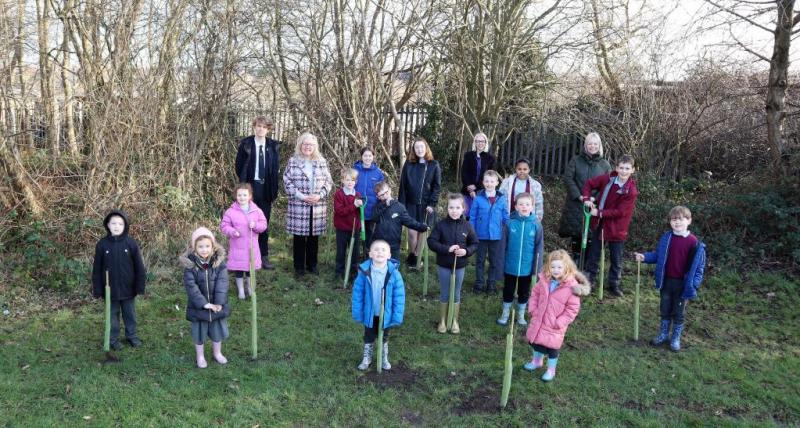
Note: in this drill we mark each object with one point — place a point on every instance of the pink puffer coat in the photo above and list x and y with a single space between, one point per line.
236 220
552 313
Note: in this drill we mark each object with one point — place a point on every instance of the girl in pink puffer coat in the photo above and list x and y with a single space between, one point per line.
553 305
242 221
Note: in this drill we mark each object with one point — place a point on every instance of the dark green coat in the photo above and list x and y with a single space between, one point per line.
580 169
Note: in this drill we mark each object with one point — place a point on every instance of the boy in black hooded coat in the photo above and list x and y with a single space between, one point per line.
119 255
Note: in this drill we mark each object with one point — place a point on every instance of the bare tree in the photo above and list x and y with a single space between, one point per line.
344 65
496 56
778 18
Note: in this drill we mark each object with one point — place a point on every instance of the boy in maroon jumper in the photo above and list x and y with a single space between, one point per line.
680 260
611 216
346 202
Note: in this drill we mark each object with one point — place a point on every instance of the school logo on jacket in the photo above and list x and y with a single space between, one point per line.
395 215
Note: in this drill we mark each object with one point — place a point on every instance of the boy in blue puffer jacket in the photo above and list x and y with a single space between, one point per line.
369 174
680 260
524 240
378 276
488 215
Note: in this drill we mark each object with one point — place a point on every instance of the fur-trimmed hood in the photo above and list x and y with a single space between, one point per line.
583 287
189 260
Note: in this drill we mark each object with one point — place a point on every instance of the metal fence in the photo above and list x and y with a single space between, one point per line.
238 125
548 150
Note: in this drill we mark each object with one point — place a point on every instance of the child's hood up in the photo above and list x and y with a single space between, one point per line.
125 220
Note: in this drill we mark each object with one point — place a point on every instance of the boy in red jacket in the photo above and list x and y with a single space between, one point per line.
346 202
611 216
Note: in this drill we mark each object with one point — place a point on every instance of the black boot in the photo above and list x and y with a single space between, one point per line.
412 261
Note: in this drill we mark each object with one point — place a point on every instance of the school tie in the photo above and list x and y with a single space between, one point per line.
262 166
478 172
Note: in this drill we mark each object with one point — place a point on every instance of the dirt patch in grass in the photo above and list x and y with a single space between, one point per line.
109 357
399 377
484 399
412 418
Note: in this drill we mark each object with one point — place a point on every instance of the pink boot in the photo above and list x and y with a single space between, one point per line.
201 356
535 363
216 348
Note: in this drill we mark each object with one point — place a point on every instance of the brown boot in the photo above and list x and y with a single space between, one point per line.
442 318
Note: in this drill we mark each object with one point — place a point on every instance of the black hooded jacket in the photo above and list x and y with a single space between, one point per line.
121 258
389 221
450 232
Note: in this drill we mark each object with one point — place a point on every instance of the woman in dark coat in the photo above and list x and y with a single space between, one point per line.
476 162
588 164
420 184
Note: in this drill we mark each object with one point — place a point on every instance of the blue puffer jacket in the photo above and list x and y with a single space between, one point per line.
367 179
524 244
487 219
395 300
693 277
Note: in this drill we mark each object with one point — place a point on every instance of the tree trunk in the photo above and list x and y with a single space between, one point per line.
69 93
46 77
21 182
778 79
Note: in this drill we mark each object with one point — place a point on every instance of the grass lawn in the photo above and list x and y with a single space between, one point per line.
739 366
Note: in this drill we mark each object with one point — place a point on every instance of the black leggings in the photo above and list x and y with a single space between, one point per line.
371 333
551 353
523 291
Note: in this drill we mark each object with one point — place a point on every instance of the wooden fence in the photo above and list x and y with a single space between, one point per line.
548 151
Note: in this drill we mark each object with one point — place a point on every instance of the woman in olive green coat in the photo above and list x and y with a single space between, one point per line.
588 164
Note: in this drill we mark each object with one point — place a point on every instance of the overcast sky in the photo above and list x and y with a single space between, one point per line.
670 47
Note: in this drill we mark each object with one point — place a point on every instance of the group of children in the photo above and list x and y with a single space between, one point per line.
513 242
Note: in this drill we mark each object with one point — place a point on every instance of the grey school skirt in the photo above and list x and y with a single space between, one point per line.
216 330
418 213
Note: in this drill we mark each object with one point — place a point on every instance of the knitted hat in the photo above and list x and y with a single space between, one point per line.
202 232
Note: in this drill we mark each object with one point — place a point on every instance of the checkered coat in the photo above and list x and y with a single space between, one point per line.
298 213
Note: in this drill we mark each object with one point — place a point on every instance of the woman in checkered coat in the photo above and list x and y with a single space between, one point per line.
307 182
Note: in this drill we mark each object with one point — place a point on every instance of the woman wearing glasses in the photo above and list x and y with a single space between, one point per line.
307 181
476 162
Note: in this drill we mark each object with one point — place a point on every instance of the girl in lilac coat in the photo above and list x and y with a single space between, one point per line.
242 223
553 305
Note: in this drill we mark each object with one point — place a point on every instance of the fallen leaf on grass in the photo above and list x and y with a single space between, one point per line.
68 389
87 417
26 367
318 302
